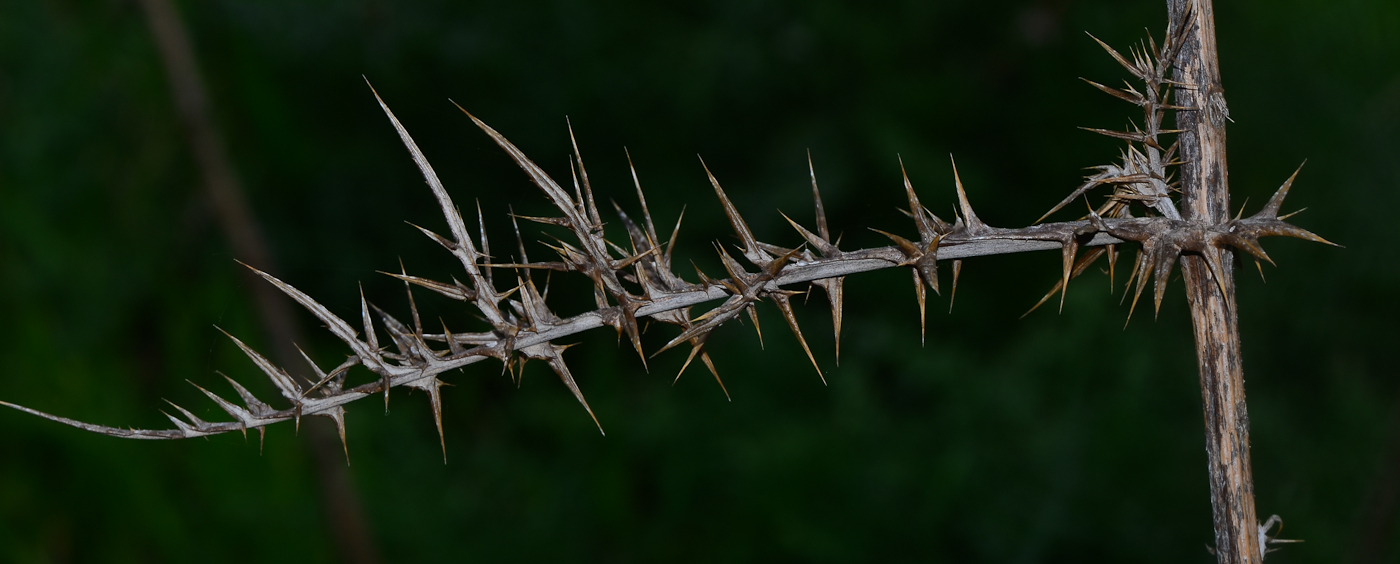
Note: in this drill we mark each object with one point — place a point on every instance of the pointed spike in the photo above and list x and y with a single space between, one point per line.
433 387
412 306
817 197
957 270
697 345
369 324
705 358
199 424
835 294
1117 57
927 229
337 326
753 314
561 199
906 246
340 430
314 368
454 291
1133 98
452 344
671 244
336 414
322 379
1241 212
520 242
785 307
242 415
919 293
1166 259
578 189
974 225
1070 248
185 429
446 244
1217 271
449 210
594 219
646 213
485 247
928 264
1079 267
1112 251
630 325
386 383
812 238
284 383
255 406
1145 260
752 251
1271 209
551 353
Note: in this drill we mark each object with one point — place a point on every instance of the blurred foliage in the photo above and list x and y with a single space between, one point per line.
1056 438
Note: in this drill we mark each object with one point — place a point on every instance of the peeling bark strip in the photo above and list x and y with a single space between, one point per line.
1205 188
639 282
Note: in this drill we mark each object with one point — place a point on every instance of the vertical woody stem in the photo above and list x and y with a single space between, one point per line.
1206 201
339 499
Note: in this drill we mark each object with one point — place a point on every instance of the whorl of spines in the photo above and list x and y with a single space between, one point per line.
639 282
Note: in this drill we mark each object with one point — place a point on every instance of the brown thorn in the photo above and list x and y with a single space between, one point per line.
1272 207
1117 57
974 225
919 292
1217 271
1079 268
646 213
957 270
1144 263
556 362
786 308
1071 247
434 389
835 293
916 210
817 197
671 244
705 358
485 247
1112 251
751 248
1166 259
753 314
592 208
413 307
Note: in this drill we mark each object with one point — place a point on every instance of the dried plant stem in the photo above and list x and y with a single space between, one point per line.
340 501
640 283
1206 200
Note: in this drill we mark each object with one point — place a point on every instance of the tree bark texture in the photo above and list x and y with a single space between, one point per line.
1206 200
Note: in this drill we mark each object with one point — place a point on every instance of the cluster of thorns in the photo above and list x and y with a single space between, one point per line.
638 282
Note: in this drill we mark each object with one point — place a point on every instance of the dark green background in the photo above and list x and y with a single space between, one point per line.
1058 438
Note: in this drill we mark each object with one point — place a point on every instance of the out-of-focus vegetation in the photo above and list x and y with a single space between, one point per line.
1054 438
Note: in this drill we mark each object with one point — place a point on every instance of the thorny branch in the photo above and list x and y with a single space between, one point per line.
639 282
